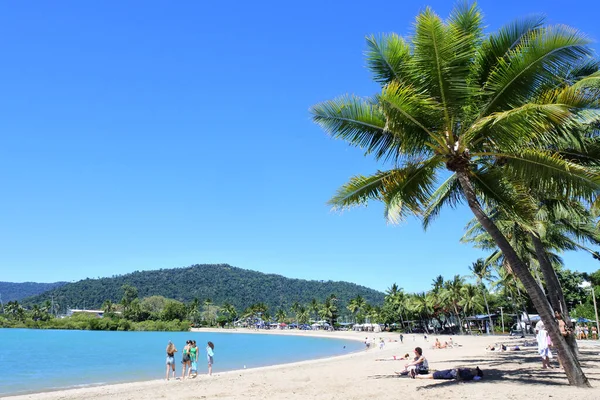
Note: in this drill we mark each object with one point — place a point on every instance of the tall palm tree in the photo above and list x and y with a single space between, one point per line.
280 315
355 305
452 295
230 310
314 308
454 101
418 304
482 272
470 301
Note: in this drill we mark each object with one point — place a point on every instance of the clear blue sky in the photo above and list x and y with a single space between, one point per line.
144 135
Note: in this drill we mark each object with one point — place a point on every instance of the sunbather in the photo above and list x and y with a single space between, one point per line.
459 374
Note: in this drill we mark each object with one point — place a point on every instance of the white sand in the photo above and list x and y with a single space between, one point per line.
508 375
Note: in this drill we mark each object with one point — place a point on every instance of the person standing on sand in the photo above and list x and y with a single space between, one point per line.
185 360
171 350
209 356
401 338
194 360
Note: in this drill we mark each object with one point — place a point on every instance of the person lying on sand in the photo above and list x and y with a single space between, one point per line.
496 347
395 358
459 374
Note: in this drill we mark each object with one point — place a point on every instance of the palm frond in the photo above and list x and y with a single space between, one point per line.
519 126
441 58
357 121
387 58
408 189
359 190
497 192
447 194
549 173
411 116
498 44
531 65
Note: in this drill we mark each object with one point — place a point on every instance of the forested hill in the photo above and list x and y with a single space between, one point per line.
219 283
10 291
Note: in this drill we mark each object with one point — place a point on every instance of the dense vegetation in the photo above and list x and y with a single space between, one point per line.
220 283
16 291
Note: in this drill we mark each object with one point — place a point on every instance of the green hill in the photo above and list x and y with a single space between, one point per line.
10 291
220 283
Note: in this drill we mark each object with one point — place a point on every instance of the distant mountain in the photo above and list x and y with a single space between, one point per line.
220 283
10 291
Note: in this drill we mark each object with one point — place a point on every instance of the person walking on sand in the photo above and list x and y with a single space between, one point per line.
209 356
543 345
185 360
171 350
401 338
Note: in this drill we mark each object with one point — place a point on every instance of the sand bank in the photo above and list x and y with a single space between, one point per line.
509 375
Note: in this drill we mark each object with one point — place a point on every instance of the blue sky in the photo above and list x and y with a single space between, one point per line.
145 135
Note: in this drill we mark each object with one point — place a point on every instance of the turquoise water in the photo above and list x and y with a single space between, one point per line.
38 360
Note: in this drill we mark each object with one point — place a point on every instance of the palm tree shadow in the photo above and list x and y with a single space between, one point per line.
387 376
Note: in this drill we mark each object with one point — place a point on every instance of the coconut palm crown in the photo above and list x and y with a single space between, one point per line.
455 100
486 119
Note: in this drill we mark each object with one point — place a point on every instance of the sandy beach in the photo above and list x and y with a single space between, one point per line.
508 375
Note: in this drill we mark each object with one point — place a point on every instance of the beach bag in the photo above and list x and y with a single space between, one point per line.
194 366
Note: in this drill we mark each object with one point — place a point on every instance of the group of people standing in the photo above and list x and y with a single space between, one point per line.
189 359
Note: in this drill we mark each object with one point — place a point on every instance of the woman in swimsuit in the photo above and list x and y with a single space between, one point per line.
171 350
185 360
194 359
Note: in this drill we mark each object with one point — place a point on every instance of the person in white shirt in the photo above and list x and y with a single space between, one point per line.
543 346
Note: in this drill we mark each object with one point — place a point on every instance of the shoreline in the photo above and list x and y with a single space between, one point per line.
281 332
357 375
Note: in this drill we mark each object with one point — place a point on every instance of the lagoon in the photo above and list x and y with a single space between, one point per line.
42 360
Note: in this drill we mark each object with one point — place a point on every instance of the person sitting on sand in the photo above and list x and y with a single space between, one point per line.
437 344
418 366
459 374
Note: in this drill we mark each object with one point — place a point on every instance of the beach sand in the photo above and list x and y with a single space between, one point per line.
508 375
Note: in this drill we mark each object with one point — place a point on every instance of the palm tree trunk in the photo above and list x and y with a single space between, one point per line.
570 363
488 310
460 325
555 292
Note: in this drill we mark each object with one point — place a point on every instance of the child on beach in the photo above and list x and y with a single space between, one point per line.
209 356
171 350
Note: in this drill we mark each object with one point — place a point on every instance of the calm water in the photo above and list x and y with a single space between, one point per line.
37 360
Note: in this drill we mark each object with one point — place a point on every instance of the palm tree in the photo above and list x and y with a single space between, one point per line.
314 308
230 310
481 272
280 315
356 305
418 304
396 300
470 301
302 316
485 109
452 295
